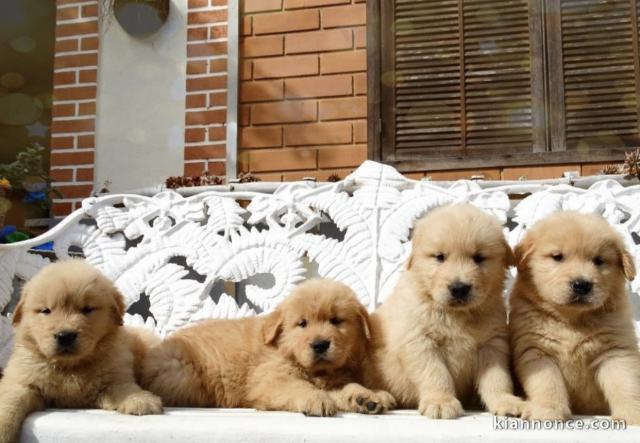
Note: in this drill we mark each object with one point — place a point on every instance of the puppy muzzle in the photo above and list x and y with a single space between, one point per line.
460 293
320 347
66 341
581 291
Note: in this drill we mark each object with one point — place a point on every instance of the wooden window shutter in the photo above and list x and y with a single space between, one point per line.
497 75
462 83
471 83
594 69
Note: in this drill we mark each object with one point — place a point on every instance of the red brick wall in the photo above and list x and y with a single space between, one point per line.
303 103
206 101
303 94
515 172
74 102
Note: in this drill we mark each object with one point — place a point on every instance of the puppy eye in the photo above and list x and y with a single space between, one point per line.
557 257
440 257
45 311
335 321
302 323
598 261
479 258
87 310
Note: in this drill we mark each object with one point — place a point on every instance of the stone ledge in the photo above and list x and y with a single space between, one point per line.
243 425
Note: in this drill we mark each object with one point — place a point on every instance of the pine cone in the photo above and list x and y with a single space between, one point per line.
632 164
247 177
611 170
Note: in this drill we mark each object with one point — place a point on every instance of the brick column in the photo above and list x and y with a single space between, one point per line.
205 132
303 88
74 102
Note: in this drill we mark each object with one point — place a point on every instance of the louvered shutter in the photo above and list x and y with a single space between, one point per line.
600 73
427 75
466 83
497 68
462 83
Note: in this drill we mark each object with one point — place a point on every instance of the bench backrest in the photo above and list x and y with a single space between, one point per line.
229 254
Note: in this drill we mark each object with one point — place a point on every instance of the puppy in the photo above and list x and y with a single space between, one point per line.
70 349
303 357
572 334
442 334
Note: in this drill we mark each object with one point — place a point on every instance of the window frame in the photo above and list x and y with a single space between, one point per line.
548 144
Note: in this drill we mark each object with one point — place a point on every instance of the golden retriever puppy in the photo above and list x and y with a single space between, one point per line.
303 357
572 335
70 349
441 337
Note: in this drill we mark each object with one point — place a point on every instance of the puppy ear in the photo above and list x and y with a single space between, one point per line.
118 307
416 239
365 321
628 266
17 312
522 252
410 261
272 327
509 255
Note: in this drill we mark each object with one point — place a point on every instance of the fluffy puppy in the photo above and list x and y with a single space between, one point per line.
572 335
70 349
303 357
442 334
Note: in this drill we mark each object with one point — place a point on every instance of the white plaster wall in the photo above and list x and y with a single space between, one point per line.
141 104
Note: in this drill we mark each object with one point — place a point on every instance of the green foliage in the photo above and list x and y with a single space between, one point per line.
28 163
27 167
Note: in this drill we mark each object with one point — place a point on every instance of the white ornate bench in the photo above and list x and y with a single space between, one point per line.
237 250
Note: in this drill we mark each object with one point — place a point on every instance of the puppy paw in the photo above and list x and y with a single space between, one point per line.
506 404
535 411
387 400
369 402
318 405
444 407
141 403
10 429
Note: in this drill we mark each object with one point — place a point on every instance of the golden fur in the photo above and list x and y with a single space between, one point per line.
96 370
431 351
571 352
267 362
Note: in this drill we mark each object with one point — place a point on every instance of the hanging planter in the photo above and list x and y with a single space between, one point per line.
141 18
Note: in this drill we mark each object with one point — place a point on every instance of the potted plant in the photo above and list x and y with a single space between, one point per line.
26 185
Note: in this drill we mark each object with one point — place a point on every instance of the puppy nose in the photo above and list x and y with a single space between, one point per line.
581 287
459 290
320 346
66 338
